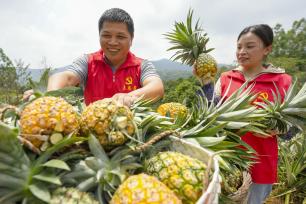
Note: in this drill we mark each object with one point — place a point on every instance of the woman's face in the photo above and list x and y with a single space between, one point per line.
251 51
115 41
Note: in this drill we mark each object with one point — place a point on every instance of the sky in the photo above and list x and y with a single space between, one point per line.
55 32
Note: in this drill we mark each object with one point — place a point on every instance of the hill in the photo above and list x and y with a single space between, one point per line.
167 69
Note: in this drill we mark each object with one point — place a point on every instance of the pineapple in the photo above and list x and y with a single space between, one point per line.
110 122
71 196
173 109
46 120
190 44
181 173
144 189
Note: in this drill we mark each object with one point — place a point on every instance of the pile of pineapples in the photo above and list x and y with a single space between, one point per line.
109 153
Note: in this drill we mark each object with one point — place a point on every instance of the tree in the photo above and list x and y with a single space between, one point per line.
289 49
8 77
291 43
23 76
13 78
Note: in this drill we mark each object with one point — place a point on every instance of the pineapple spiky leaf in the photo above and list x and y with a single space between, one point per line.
286 114
27 178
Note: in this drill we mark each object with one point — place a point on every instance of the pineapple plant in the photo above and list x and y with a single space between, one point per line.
71 196
46 120
143 188
286 114
181 173
102 173
24 177
111 122
291 171
173 110
190 45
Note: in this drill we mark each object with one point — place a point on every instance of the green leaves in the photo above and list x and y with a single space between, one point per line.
41 192
281 115
97 150
292 165
189 41
23 178
55 163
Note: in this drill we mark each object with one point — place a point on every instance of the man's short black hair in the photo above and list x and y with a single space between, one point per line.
117 15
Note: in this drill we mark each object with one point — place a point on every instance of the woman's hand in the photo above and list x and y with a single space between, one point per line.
206 79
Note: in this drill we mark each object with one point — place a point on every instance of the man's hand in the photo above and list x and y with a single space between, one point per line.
125 98
27 94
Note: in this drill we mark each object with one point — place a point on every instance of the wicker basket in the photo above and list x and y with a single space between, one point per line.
211 193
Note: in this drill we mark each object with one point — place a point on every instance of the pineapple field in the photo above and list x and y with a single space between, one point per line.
55 149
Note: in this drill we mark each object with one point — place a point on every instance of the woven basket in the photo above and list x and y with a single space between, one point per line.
213 187
240 196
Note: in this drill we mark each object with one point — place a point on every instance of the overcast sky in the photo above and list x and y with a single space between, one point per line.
62 30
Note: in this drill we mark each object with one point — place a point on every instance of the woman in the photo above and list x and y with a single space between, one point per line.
254 44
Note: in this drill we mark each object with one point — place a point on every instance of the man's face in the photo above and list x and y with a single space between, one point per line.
115 41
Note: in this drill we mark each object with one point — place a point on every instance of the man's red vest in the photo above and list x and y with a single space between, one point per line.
265 170
102 82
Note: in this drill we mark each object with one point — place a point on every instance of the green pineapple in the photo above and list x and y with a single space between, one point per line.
102 173
71 196
24 178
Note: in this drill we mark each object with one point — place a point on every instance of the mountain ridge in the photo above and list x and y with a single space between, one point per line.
167 69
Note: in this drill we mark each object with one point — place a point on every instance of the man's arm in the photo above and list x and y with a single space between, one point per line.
63 79
153 88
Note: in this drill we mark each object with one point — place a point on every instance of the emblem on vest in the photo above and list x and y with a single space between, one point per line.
128 85
261 97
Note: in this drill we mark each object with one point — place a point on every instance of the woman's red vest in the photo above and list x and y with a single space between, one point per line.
265 170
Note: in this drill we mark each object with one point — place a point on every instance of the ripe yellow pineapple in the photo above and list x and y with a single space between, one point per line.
46 120
109 122
174 109
190 45
181 173
205 66
144 189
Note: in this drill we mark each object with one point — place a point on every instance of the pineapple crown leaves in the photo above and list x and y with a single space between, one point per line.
102 172
292 165
23 178
189 41
291 112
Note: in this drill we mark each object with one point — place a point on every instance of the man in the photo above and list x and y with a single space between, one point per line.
113 71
